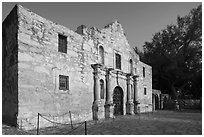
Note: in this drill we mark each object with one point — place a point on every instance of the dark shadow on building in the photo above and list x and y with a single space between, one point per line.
10 69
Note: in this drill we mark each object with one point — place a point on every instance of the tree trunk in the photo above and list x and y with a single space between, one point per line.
174 92
175 97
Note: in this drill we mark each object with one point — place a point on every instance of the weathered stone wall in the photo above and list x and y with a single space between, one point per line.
10 69
113 40
40 65
145 82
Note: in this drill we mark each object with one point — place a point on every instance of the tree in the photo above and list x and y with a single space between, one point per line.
175 54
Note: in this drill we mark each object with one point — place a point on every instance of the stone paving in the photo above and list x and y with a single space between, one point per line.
157 123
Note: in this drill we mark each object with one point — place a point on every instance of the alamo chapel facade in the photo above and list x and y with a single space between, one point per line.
50 69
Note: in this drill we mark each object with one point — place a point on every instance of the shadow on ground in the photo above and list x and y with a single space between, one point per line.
188 122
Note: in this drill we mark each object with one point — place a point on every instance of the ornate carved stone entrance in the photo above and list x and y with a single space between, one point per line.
118 101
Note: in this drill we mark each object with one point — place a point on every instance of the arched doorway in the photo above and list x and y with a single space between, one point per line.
118 101
156 102
165 103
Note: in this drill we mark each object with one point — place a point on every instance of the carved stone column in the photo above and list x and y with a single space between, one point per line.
97 102
162 102
153 102
129 104
136 99
108 103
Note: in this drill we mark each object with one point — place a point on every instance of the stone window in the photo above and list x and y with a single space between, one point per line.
118 61
145 91
102 88
131 66
101 55
62 43
143 71
63 82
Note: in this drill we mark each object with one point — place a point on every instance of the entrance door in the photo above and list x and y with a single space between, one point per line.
118 101
156 102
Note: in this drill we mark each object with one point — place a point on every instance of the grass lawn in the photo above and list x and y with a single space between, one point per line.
187 122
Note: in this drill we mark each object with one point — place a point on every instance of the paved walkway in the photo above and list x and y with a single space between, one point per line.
157 123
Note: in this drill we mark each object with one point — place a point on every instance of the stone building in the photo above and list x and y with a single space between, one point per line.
159 100
50 69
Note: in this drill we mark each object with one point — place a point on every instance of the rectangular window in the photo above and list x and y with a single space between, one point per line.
145 91
118 61
63 82
62 43
143 71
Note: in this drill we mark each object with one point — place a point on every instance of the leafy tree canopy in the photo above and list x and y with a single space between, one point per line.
175 53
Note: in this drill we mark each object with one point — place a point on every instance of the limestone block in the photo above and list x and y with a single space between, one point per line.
25 30
47 42
41 69
24 38
72 53
25 57
29 41
24 65
35 49
39 58
86 47
26 86
59 65
22 47
98 111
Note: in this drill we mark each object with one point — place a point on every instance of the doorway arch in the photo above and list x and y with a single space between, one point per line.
156 102
118 101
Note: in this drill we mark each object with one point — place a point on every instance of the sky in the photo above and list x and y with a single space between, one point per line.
140 20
